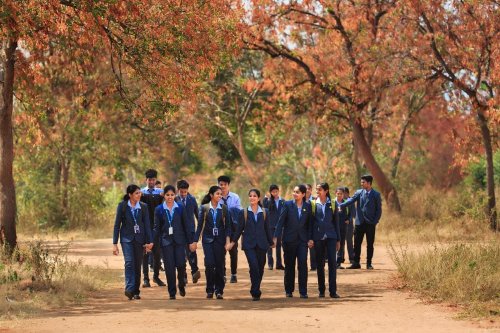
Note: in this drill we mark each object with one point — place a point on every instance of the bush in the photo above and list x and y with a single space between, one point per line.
463 274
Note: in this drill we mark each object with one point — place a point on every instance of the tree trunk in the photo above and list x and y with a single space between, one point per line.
254 179
8 209
386 187
399 152
65 165
490 182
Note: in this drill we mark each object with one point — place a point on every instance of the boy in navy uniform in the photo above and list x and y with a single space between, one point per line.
152 196
312 250
274 204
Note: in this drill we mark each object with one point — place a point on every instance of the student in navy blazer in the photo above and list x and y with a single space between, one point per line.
174 235
326 236
351 213
133 229
257 238
295 226
368 213
189 202
274 204
214 226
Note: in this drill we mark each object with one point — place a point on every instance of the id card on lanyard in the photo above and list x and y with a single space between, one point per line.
215 230
169 218
134 212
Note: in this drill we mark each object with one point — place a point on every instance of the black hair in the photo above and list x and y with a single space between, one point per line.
130 190
309 186
151 173
169 188
346 189
182 184
325 187
367 178
208 197
273 187
302 189
158 182
342 189
224 179
256 191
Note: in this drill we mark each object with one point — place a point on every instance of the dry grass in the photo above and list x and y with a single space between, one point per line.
34 279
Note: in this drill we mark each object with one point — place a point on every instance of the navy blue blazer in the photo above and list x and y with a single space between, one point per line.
181 235
274 213
295 229
124 225
327 224
204 228
255 234
191 211
368 207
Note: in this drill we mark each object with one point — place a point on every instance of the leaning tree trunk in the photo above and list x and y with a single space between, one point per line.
490 182
7 188
386 187
240 147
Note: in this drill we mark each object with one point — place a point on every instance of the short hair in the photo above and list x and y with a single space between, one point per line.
168 188
341 189
273 187
182 184
158 182
224 179
309 186
151 173
346 189
367 178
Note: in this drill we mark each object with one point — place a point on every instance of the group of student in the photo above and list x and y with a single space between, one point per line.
160 224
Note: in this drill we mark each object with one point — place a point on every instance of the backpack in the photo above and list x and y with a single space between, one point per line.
313 205
206 208
245 215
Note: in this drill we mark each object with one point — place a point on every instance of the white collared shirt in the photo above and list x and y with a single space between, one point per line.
137 205
154 190
232 200
259 210
322 206
165 207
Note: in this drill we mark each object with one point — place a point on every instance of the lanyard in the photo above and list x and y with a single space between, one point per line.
214 216
134 214
169 216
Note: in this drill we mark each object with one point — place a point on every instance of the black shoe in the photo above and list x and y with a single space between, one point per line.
172 297
369 266
159 282
354 266
321 295
255 298
234 279
339 266
185 280
196 276
313 269
219 296
182 291
146 284
161 269
137 297
209 295
289 295
129 294
304 296
334 295
270 268
225 279
281 268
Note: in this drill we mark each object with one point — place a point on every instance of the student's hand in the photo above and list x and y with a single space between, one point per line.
310 244
346 221
337 247
192 247
272 246
115 250
229 246
275 241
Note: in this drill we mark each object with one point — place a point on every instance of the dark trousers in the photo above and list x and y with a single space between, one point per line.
359 232
132 254
256 261
292 253
215 257
349 241
192 259
312 255
270 261
155 255
326 249
343 232
233 254
174 257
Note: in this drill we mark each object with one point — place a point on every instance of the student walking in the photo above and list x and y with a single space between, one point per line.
274 205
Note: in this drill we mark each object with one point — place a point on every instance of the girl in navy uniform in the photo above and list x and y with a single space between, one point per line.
134 231
326 236
214 226
254 224
295 222
174 234
274 204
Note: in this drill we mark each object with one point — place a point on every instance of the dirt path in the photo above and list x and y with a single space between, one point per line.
367 305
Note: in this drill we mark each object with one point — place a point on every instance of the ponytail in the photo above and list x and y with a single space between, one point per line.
130 190
208 197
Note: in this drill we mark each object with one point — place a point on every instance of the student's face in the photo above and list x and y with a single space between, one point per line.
158 186
253 198
321 192
169 197
346 195
224 186
151 182
183 192
339 195
297 195
275 193
136 196
216 196
308 191
364 184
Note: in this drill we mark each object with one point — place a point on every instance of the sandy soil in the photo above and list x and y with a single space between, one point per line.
368 304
